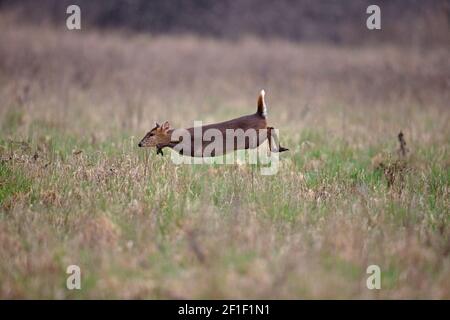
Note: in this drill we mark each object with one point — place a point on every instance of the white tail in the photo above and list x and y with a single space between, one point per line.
262 108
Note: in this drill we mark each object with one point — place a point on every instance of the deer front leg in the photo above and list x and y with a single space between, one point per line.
159 150
171 144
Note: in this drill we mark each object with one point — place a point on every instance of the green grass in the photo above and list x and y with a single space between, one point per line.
75 189
12 182
168 201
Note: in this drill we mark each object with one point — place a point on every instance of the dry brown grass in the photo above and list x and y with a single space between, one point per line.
74 189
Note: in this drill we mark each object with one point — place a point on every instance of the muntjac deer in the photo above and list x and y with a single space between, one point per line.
246 132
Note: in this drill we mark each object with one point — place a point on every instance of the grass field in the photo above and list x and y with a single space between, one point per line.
75 189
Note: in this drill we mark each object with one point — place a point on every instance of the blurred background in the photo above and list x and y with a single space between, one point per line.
209 59
412 22
74 187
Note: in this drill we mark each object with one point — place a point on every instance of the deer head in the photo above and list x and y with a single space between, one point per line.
158 136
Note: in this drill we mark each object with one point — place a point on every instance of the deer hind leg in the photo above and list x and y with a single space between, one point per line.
272 134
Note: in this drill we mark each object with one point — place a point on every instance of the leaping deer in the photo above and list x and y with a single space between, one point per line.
162 136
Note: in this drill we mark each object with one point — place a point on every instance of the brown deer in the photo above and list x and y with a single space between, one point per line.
193 143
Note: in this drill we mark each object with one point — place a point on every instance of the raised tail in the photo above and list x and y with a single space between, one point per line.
262 108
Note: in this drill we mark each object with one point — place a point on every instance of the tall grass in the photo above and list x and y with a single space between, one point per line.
75 189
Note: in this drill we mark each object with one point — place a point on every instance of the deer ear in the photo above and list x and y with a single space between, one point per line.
166 125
